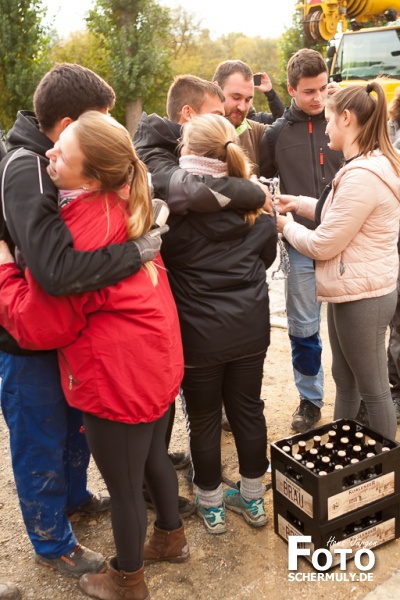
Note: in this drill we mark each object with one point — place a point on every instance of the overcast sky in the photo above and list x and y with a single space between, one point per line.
265 18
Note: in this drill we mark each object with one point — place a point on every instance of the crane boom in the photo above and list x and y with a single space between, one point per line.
322 17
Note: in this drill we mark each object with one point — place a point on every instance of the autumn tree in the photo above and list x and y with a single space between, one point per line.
23 45
84 48
135 35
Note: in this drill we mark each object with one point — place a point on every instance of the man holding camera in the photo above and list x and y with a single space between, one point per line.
237 82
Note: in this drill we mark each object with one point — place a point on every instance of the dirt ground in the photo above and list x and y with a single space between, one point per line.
242 564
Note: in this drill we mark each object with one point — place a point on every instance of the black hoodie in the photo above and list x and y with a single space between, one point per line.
299 153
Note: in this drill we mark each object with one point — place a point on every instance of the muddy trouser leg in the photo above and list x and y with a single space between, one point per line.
357 333
48 449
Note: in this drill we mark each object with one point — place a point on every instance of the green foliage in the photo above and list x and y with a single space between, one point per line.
204 54
83 48
23 55
136 39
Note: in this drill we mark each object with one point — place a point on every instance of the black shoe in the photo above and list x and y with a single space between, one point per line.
186 506
305 416
396 402
180 460
99 502
362 415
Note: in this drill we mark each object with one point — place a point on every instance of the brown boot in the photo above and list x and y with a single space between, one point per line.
115 585
168 546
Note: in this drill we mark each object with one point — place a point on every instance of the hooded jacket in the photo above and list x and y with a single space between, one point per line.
34 225
157 143
120 351
355 247
299 154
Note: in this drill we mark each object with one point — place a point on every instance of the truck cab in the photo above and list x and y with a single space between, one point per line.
367 54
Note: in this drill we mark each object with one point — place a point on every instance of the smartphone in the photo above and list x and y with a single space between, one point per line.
257 79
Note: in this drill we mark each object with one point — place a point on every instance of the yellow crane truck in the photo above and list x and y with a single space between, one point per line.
361 53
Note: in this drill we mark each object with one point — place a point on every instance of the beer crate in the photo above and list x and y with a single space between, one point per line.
326 498
368 528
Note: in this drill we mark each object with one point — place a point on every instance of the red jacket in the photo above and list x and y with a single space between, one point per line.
120 351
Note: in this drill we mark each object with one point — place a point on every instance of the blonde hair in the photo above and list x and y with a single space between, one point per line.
110 158
213 136
370 110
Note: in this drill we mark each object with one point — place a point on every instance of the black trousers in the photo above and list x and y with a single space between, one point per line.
237 384
125 455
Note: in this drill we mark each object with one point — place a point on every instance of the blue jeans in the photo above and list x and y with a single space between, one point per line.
48 449
304 316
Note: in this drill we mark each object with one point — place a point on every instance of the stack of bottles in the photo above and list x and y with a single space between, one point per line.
339 483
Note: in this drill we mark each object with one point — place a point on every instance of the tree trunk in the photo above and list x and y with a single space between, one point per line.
133 113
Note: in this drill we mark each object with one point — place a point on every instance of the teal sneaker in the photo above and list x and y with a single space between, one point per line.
213 518
253 511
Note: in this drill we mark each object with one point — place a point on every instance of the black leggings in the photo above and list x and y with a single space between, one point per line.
125 455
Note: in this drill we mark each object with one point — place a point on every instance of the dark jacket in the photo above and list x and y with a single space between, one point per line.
37 229
299 154
216 267
156 141
276 107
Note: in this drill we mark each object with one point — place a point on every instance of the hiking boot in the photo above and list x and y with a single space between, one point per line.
99 502
115 584
167 546
213 518
362 415
186 507
253 511
9 591
305 416
180 460
396 402
75 563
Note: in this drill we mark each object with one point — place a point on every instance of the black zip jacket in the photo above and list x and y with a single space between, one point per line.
299 154
276 107
216 267
157 143
34 225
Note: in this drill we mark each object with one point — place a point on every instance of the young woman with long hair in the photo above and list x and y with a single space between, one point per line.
216 267
119 348
355 250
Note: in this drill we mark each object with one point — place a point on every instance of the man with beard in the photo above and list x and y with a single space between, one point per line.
235 78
